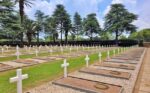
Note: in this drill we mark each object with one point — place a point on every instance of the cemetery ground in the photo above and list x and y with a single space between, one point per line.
94 70
38 74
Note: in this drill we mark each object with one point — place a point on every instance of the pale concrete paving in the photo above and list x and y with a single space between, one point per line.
143 82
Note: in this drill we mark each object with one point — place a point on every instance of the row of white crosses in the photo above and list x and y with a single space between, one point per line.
20 77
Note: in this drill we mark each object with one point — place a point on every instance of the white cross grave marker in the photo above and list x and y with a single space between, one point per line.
17 52
19 79
36 52
70 49
87 60
2 51
100 56
51 51
114 52
108 54
65 65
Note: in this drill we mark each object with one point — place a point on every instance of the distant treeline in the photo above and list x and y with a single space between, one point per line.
81 43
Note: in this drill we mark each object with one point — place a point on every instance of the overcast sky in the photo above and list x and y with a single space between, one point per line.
100 7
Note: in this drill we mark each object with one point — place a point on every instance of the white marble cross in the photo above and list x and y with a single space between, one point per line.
17 48
51 51
18 54
100 56
108 54
87 60
36 52
2 51
70 49
19 79
65 65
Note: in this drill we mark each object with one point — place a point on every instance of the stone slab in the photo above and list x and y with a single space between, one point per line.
120 66
109 73
88 86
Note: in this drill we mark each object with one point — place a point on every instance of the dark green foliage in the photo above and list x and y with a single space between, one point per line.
141 35
119 20
91 25
77 25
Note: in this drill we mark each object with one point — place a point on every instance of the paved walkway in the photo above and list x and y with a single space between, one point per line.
143 82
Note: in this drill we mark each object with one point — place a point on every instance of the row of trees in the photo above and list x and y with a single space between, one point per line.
117 21
141 35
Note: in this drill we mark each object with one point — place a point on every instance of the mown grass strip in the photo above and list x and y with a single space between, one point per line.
41 73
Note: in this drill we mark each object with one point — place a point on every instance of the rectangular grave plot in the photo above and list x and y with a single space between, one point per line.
88 86
26 61
120 61
121 66
108 73
122 58
4 67
44 58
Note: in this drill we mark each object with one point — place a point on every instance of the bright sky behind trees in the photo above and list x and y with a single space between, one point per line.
100 7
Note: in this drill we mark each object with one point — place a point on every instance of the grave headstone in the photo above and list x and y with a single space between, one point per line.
19 79
65 65
108 54
87 60
100 56
2 51
36 52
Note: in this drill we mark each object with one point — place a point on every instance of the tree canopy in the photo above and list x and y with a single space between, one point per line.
119 20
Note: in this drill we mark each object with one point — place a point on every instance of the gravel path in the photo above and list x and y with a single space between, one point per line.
128 85
143 82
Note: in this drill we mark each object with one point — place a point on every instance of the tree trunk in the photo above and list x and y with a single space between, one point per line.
66 37
61 32
54 38
116 39
91 37
37 37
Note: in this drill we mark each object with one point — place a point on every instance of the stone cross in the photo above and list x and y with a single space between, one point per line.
51 51
18 54
36 52
70 49
19 79
2 51
100 56
108 54
17 48
87 60
7 48
65 65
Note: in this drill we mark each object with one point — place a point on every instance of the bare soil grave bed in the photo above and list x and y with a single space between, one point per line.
4 67
126 58
108 73
45 58
120 66
121 61
88 86
26 61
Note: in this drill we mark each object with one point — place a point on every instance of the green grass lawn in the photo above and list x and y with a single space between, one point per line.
9 58
41 73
